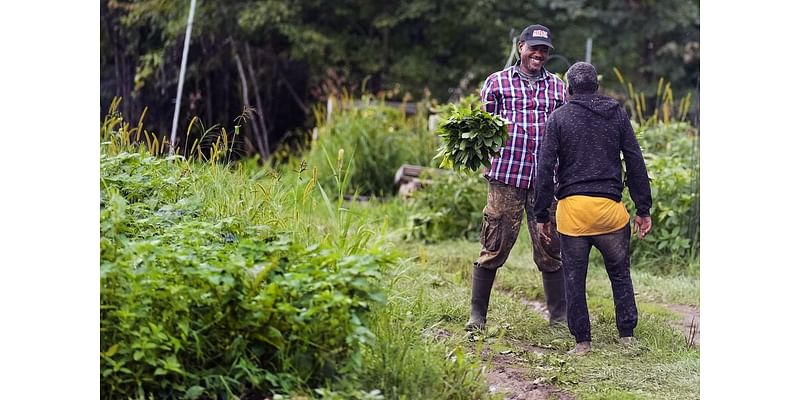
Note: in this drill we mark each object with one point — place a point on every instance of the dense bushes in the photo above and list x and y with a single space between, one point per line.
671 154
450 207
220 307
376 140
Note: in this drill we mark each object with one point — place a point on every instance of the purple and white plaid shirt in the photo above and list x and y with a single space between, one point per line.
527 104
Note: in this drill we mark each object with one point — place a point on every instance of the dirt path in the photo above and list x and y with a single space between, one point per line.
507 373
537 306
690 326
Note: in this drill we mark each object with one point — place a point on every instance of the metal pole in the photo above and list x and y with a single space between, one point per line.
589 50
513 52
186 40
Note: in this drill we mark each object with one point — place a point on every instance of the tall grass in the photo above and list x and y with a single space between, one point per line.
664 108
376 140
213 144
411 360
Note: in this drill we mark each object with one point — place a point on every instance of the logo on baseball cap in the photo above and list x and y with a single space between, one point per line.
535 35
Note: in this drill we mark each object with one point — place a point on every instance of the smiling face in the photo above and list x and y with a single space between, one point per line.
533 58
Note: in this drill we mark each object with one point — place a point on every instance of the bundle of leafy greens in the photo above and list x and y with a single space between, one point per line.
470 137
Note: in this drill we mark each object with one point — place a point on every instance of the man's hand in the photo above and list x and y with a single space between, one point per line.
642 225
544 231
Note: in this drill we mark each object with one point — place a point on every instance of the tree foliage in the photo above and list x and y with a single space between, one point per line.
275 58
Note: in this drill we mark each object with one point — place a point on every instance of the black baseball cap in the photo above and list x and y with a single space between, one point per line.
535 35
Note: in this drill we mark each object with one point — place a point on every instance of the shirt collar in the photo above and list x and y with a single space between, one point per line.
544 75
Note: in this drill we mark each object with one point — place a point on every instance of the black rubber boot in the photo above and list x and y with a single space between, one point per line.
482 281
555 293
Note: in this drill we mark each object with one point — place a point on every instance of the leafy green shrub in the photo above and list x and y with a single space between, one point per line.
450 207
375 141
470 135
218 307
671 155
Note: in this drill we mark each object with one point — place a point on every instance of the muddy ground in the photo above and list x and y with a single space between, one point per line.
506 372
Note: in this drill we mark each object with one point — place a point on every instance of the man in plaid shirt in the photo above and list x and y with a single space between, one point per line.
525 94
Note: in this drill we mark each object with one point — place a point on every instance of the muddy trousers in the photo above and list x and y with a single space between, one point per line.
575 258
502 218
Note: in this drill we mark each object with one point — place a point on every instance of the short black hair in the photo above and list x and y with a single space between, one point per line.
582 77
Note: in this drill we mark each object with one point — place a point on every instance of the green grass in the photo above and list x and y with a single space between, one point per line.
660 367
410 360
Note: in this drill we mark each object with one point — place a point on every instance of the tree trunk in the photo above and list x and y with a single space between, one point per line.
293 92
207 50
260 111
208 96
246 101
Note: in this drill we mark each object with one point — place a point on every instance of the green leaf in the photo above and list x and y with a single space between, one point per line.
194 392
112 350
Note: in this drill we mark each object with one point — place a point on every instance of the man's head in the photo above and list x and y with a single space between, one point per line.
534 47
582 78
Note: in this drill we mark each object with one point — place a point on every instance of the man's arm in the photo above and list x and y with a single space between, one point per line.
637 181
544 174
489 96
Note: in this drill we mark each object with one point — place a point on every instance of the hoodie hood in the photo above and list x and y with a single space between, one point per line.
603 106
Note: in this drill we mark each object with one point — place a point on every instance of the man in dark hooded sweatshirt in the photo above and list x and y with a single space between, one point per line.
585 138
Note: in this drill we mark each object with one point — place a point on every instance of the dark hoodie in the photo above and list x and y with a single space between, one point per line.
586 136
